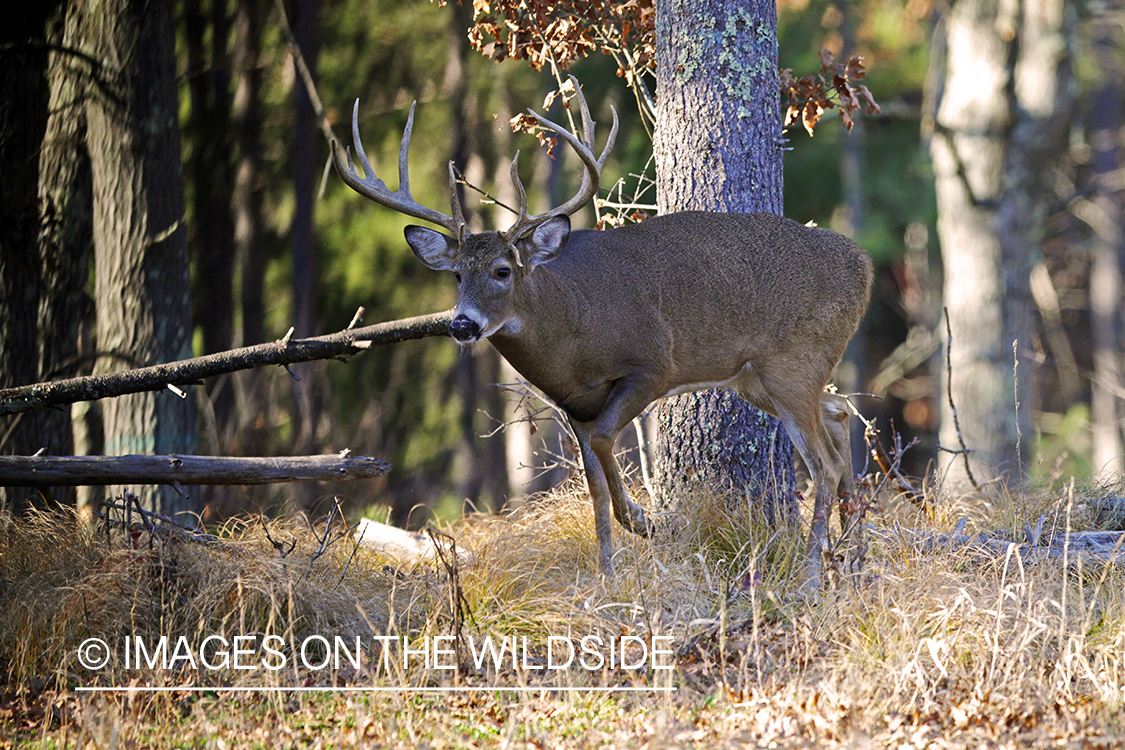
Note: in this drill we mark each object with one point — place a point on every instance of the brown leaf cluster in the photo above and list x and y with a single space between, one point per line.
563 31
835 86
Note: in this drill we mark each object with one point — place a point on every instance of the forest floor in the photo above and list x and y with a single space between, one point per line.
285 634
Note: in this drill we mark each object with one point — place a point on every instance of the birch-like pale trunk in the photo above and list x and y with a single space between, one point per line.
1004 98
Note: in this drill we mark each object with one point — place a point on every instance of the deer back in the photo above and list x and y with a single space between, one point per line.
687 300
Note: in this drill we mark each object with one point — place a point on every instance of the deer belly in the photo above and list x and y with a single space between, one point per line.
746 379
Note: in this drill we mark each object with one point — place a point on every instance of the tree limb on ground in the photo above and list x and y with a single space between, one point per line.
1087 547
283 352
59 471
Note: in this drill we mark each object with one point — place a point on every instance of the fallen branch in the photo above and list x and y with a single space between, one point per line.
1088 546
59 471
191 371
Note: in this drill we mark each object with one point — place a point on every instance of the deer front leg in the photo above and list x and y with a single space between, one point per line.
603 477
599 493
628 398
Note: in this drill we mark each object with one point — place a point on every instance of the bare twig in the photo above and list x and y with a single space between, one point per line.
355 548
458 604
279 546
326 540
949 394
304 72
166 525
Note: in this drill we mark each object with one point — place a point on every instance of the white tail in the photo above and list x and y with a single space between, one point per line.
605 322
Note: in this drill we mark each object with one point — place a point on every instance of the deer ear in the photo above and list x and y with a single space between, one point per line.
432 248
547 240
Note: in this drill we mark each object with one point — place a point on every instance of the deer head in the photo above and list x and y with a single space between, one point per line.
487 266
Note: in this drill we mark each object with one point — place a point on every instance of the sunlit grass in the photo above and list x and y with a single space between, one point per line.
957 645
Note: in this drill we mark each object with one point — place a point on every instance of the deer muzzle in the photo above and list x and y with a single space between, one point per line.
464 329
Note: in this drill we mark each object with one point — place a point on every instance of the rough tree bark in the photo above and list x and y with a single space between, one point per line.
43 218
141 279
718 148
1004 98
66 239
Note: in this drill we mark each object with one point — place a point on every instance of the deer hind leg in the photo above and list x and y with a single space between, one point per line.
834 416
800 409
836 420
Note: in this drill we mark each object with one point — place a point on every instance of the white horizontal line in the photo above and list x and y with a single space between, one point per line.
347 689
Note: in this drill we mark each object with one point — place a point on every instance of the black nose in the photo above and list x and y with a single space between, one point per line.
463 328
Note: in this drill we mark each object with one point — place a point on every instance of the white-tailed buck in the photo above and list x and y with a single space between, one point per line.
605 322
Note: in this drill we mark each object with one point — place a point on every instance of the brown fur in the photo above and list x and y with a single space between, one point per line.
604 323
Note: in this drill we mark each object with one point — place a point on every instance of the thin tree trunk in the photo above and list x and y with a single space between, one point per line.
1107 117
141 279
718 148
249 235
247 122
211 235
310 392
469 460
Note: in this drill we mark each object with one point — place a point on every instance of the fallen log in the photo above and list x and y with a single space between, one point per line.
407 547
59 471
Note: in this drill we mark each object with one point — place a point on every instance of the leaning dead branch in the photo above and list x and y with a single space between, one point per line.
285 352
61 471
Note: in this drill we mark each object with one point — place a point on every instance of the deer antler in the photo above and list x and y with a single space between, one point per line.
372 187
584 147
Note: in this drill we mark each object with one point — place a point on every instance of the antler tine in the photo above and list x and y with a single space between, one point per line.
455 204
584 147
375 189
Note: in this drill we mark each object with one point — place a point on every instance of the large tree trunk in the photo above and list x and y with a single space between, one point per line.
141 279
1003 100
65 240
718 148
41 222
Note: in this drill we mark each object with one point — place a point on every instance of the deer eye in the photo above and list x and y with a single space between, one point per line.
457 277
502 272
